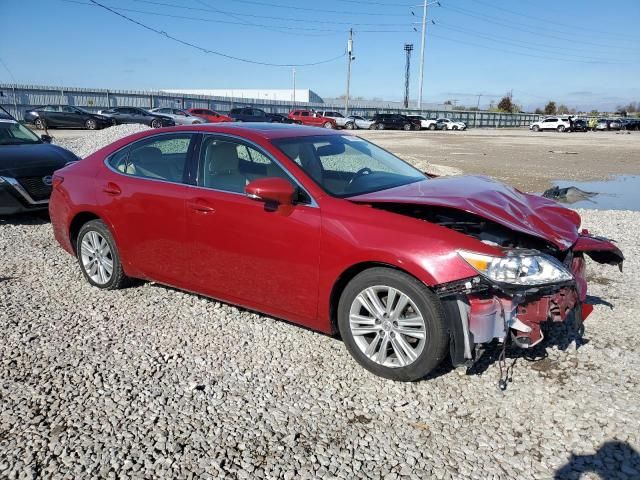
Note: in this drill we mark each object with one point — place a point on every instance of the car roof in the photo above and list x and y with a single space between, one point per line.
268 131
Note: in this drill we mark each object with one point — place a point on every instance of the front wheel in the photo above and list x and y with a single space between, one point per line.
156 123
327 125
98 256
90 124
40 124
432 126
561 128
406 127
536 128
392 324
455 127
350 126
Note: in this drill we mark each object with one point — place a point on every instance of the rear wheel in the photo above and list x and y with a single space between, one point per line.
327 125
561 128
40 124
432 126
406 126
392 324
90 124
98 256
349 126
536 128
455 127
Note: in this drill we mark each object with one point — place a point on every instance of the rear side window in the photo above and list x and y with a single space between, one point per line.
161 158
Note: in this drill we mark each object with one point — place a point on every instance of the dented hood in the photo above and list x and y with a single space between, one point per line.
487 198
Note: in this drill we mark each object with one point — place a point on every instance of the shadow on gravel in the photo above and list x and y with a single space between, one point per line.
561 335
613 460
39 218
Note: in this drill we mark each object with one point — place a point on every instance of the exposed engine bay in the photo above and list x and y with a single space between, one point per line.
482 311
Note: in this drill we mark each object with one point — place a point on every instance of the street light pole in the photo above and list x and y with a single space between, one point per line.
294 87
349 59
424 34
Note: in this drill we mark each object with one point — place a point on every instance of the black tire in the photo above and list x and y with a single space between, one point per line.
432 126
40 124
118 278
91 124
156 123
455 127
536 128
561 128
350 125
380 126
298 122
429 306
407 127
328 125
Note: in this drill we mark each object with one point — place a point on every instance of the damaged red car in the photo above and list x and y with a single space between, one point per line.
328 231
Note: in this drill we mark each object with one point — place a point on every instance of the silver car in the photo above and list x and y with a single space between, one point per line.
179 116
360 122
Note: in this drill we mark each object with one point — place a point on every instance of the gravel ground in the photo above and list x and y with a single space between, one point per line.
150 382
87 142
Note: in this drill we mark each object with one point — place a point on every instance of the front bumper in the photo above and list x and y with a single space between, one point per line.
15 199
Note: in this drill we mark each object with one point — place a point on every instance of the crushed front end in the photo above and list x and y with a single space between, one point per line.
513 295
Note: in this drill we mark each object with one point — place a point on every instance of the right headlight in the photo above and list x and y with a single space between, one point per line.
518 268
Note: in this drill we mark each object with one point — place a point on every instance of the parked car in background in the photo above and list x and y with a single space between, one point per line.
608 124
311 118
361 122
65 116
559 124
209 115
409 270
394 121
425 123
251 114
579 125
122 115
448 124
340 119
279 118
630 123
27 163
181 117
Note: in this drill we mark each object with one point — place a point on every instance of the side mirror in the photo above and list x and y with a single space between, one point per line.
271 190
46 138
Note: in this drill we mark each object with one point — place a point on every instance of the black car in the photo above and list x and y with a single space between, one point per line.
382 121
579 125
120 115
250 114
630 124
27 163
65 116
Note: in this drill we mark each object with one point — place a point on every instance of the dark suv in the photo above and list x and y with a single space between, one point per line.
394 121
250 114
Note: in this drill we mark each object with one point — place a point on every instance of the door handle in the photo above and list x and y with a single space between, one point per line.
200 205
111 189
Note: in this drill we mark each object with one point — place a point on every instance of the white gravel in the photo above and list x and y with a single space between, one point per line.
88 142
151 382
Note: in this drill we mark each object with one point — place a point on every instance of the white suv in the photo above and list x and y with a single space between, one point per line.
552 123
425 123
341 120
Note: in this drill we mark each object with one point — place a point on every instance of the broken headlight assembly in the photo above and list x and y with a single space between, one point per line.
517 267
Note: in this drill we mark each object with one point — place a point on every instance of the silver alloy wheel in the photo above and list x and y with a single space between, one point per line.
97 259
91 124
387 326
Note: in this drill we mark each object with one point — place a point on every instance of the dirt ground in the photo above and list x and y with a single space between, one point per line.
527 160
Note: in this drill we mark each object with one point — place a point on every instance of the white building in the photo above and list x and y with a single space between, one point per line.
285 94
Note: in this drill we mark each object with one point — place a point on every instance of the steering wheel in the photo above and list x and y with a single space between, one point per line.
358 174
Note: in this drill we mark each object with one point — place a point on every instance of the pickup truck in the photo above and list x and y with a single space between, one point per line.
311 118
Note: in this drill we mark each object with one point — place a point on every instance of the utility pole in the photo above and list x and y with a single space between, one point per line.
294 86
349 59
475 117
424 34
408 47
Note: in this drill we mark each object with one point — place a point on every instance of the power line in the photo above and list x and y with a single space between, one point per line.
6 67
522 45
522 27
213 52
297 7
562 24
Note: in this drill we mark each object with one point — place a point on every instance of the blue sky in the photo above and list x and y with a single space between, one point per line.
584 53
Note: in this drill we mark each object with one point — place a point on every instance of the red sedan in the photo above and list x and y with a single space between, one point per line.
209 115
329 231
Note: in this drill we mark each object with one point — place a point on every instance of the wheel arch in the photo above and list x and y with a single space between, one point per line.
76 224
349 274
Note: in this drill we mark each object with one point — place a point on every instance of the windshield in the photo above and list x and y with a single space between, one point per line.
346 166
15 134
